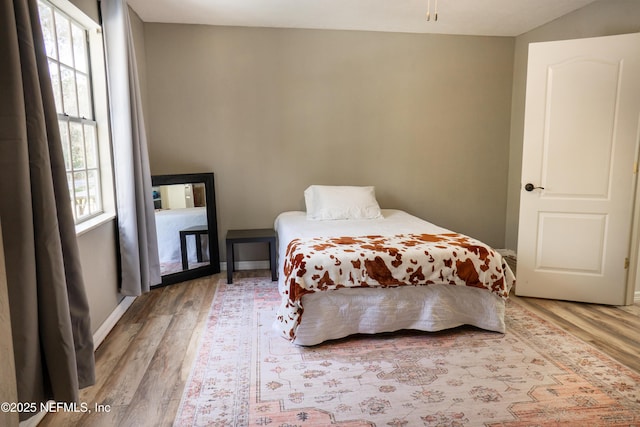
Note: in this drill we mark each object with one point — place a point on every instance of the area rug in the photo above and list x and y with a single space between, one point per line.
534 375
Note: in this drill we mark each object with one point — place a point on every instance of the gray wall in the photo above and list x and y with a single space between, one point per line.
424 118
100 271
602 18
137 29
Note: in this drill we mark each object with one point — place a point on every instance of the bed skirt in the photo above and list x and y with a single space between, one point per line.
347 311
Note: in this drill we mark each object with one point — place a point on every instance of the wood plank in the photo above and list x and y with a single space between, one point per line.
126 377
171 409
170 298
110 418
159 380
631 309
138 311
586 321
108 356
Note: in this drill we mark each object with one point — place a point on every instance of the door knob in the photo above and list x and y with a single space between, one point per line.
531 187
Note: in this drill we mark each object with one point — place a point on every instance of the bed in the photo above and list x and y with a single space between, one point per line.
348 267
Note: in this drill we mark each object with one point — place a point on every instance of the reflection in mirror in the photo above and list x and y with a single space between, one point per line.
186 226
181 214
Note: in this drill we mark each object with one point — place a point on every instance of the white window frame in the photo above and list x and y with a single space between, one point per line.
99 98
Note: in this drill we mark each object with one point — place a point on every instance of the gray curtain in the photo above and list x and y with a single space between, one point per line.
140 264
53 345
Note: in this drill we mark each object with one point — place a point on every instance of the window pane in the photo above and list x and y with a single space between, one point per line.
63 31
79 48
84 97
81 194
69 49
48 31
69 98
95 204
91 145
77 146
55 82
66 150
71 196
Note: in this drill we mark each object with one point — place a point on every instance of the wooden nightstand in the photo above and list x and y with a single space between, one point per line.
267 235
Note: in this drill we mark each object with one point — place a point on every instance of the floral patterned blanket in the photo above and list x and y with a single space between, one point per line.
322 264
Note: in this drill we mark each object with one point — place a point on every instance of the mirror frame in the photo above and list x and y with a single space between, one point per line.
214 252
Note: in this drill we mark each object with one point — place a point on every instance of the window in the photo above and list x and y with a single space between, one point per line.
74 51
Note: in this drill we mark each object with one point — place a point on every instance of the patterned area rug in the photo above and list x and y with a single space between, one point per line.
534 375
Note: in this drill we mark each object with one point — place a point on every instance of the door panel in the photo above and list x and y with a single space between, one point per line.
568 130
580 145
560 233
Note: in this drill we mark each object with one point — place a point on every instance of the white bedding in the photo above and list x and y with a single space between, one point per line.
342 312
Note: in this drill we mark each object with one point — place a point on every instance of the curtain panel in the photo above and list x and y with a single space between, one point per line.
53 344
139 260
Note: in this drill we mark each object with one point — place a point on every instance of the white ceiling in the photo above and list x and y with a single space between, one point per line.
471 17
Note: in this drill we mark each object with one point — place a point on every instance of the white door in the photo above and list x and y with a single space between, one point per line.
581 137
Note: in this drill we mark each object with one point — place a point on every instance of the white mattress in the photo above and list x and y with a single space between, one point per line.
343 312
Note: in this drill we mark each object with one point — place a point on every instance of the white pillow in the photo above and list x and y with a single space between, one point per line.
341 202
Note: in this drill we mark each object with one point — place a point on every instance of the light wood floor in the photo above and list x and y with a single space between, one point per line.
144 363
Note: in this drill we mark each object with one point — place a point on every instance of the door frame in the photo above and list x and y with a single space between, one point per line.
633 278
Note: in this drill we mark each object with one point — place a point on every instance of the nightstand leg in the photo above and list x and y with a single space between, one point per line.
198 247
229 262
183 251
272 260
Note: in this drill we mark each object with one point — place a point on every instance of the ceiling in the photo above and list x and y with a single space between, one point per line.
469 17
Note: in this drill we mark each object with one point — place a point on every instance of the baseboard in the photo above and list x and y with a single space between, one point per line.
507 253
111 321
247 265
636 297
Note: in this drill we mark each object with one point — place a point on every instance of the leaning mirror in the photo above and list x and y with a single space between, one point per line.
186 225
